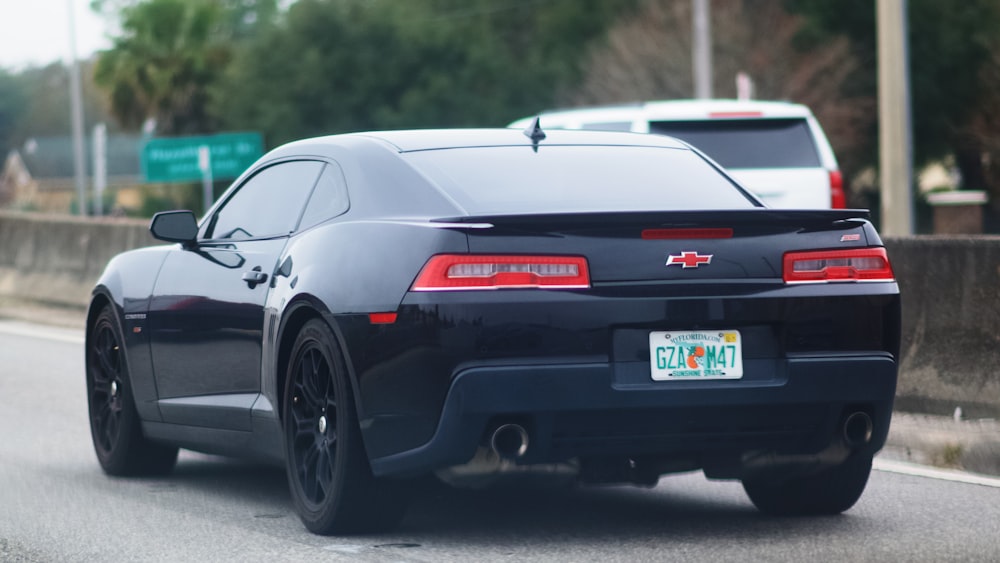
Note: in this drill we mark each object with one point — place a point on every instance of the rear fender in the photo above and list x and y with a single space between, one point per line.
341 272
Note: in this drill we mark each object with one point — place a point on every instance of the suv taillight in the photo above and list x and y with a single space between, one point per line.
838 199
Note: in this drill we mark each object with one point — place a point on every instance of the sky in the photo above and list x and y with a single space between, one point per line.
36 32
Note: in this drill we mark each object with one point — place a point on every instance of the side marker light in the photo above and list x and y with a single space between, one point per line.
382 318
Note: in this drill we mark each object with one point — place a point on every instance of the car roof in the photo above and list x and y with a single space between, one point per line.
673 110
436 139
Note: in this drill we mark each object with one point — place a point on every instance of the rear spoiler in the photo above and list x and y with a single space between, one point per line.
759 215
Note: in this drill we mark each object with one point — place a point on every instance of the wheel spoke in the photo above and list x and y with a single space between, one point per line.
324 472
102 421
106 364
101 371
100 394
107 354
302 427
308 376
309 472
324 385
300 403
111 430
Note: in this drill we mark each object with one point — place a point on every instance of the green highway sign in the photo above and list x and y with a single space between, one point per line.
175 159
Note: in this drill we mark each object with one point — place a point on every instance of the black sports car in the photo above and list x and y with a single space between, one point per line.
369 308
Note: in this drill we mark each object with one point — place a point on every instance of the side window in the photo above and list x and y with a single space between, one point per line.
329 199
268 204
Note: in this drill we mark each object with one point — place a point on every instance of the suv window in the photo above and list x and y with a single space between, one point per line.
747 143
268 204
609 126
328 199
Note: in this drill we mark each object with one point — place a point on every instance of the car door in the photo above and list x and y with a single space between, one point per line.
207 313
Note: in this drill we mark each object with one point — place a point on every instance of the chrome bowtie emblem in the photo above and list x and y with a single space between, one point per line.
688 259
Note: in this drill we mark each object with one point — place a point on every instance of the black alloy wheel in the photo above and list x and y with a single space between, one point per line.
331 482
313 424
106 389
114 423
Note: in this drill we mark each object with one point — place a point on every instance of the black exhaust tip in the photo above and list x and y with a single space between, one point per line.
510 441
857 429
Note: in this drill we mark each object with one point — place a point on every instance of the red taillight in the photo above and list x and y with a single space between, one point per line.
838 199
817 266
663 234
451 272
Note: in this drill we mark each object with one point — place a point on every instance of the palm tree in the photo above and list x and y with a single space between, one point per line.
162 65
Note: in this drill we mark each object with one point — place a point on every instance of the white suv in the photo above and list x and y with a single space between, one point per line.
775 149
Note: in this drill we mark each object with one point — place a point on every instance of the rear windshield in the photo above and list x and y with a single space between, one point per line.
747 143
577 179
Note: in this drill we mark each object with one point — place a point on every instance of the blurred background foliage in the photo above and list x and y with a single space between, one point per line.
312 67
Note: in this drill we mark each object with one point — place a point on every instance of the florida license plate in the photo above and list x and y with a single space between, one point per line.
710 354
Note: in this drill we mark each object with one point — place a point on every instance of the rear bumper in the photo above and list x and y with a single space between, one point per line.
601 409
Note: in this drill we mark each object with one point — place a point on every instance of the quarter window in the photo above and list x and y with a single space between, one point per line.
268 204
328 199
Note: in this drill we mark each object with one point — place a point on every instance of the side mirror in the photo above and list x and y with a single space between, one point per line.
174 226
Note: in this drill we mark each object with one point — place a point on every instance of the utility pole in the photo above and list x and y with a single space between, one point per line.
895 138
100 150
701 49
76 109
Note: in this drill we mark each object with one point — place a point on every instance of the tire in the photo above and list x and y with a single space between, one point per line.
115 428
827 492
331 482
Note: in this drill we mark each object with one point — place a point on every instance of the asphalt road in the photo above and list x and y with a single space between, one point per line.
56 505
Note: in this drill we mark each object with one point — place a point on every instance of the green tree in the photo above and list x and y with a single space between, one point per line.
953 55
240 18
344 65
162 65
34 102
47 111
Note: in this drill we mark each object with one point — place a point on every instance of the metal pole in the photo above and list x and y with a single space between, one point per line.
205 164
76 109
701 49
100 146
895 140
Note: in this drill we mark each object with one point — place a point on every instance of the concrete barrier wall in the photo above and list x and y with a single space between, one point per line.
950 286
56 259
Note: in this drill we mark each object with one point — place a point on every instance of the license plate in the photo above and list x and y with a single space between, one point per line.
710 354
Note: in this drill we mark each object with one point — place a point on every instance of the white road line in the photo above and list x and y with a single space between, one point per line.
915 470
17 328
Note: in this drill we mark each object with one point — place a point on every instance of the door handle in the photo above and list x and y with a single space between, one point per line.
254 277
